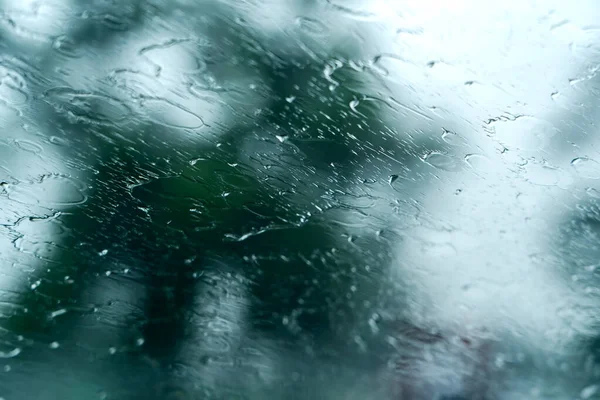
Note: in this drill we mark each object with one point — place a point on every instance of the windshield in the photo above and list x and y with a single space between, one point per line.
288 199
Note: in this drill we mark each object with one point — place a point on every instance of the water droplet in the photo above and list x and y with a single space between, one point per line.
112 350
355 9
282 138
87 106
544 174
290 99
311 26
396 69
50 190
174 56
57 313
442 161
54 345
28 146
172 115
10 354
116 22
66 47
477 161
11 94
135 83
586 167
139 342
36 284
103 253
451 138
13 86
524 133
57 141
593 192
589 391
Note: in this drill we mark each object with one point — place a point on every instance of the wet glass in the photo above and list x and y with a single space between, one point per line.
287 199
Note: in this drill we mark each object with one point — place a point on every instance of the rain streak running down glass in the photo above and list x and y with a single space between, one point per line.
299 200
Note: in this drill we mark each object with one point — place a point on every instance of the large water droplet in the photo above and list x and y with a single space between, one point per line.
356 9
86 106
49 191
10 354
586 167
66 47
589 391
524 133
174 56
170 114
311 26
442 161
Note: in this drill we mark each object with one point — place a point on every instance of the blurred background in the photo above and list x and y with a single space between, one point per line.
300 199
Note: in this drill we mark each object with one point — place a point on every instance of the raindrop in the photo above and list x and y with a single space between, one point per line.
396 69
57 313
28 146
116 22
282 138
172 115
57 141
10 354
354 9
135 83
54 345
66 47
103 253
451 138
589 391
49 190
592 192
87 106
586 167
544 174
441 161
174 56
477 161
525 133
311 26
12 89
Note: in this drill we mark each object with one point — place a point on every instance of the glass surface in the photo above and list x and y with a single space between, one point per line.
286 199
